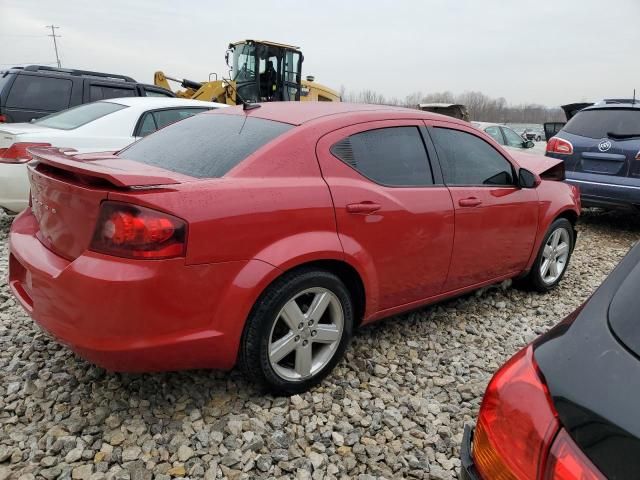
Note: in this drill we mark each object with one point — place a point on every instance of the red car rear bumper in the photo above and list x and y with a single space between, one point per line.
134 316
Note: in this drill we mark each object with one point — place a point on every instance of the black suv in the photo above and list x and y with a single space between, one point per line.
35 91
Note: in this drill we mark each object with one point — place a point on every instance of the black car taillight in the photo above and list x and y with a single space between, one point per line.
567 462
517 426
132 231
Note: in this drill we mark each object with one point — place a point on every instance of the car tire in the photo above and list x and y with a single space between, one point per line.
553 257
285 347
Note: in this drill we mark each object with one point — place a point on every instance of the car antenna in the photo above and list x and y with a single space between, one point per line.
245 104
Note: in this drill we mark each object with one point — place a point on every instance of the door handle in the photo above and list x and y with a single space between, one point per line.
363 207
469 202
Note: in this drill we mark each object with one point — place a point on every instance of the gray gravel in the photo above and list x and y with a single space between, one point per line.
394 409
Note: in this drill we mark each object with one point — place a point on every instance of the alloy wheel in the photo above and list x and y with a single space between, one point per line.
306 334
555 255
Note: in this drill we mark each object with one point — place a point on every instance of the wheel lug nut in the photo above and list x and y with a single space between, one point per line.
297 339
305 343
310 323
314 333
300 326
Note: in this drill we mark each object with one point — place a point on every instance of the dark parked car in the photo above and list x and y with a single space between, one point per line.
566 406
32 92
600 146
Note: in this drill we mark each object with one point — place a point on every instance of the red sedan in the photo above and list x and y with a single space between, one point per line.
264 237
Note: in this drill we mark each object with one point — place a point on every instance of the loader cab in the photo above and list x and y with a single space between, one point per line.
265 71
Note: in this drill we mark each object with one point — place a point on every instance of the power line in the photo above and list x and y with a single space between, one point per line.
55 44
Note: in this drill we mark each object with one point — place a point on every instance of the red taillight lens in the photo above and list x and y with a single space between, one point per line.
131 231
516 423
17 153
559 145
567 462
3 118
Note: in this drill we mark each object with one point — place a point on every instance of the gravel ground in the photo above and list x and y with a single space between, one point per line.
394 409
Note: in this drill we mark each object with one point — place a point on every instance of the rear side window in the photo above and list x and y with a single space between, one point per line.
103 92
5 78
30 92
157 93
80 115
394 156
469 160
205 146
602 123
153 121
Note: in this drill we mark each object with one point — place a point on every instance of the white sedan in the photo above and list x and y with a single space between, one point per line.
108 125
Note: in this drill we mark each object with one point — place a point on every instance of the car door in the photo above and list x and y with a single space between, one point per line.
392 209
495 221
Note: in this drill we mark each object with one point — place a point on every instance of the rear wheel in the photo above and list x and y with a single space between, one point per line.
297 331
553 257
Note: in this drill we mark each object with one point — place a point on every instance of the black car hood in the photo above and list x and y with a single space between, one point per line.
593 376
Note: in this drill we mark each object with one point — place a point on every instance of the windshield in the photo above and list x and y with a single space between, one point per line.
605 122
78 116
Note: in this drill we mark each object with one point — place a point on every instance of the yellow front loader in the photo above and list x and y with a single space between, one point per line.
260 71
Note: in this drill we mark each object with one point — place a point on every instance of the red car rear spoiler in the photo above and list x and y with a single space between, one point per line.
115 170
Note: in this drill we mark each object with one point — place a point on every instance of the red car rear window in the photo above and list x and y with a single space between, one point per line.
205 145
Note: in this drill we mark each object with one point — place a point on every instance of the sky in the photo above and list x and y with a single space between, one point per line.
549 52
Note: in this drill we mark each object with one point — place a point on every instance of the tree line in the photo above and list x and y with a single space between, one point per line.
482 108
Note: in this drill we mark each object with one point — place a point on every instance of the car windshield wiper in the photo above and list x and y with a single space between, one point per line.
622 135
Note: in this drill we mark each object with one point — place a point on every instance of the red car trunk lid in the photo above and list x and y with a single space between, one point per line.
66 193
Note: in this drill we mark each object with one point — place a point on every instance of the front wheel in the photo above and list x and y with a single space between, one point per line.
297 331
553 256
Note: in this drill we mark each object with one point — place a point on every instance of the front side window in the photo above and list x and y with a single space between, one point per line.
394 156
103 92
469 160
80 115
513 139
495 134
40 93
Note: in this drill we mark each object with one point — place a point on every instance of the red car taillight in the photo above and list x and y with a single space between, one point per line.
132 231
559 145
567 462
3 118
517 426
17 153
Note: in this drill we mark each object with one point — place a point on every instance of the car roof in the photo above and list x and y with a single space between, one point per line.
159 102
297 113
610 105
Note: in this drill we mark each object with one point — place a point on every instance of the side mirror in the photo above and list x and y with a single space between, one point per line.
527 179
528 144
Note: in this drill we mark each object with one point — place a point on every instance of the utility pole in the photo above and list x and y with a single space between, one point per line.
55 44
